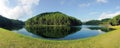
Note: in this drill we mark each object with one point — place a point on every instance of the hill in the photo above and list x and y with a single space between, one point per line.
10 23
53 18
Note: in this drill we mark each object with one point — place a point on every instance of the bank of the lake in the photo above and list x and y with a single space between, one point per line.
10 39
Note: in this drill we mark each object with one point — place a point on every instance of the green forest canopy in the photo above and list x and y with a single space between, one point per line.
107 21
53 18
10 23
93 22
115 20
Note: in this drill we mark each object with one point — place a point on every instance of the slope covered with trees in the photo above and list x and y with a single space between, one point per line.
115 20
107 21
10 23
93 22
53 18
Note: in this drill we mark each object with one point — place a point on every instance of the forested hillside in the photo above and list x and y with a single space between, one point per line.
10 23
107 21
53 18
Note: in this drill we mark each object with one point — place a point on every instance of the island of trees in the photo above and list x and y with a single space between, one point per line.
53 18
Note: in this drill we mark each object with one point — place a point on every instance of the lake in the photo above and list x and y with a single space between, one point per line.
62 32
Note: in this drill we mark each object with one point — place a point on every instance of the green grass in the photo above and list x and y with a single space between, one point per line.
10 39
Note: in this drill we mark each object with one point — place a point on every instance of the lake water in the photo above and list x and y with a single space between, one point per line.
62 32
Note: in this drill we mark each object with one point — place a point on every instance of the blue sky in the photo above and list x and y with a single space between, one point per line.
82 9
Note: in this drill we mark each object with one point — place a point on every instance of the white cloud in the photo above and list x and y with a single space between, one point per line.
84 5
108 15
22 8
102 1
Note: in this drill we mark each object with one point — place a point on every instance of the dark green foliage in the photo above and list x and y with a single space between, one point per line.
52 31
98 22
106 22
10 23
53 18
92 22
115 21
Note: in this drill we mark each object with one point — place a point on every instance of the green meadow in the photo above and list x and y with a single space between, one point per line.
10 39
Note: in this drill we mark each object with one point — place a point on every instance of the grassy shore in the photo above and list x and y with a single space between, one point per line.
10 39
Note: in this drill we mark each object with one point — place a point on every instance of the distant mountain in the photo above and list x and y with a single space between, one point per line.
10 23
92 22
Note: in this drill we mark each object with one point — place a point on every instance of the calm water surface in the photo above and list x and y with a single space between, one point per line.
61 33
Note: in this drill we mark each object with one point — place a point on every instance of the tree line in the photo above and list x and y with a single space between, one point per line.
107 21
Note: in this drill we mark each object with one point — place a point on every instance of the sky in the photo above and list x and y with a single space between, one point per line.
81 9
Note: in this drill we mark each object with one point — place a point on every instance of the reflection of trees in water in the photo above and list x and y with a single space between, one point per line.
105 29
53 31
13 27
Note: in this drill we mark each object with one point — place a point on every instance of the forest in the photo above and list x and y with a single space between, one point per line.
10 23
53 18
107 21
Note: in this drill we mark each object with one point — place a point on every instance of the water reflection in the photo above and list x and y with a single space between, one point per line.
11 28
53 31
104 29
63 32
